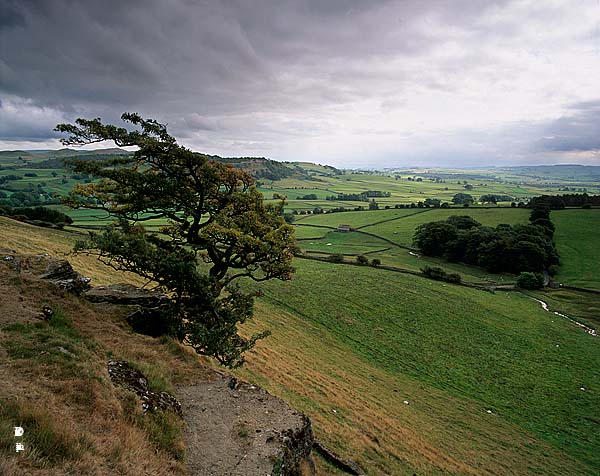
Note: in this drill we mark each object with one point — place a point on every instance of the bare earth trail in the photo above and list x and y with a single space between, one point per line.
237 429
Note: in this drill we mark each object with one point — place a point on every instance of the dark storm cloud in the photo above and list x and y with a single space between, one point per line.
174 57
294 78
11 14
578 131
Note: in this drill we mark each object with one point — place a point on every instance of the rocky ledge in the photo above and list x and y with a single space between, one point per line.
239 429
123 374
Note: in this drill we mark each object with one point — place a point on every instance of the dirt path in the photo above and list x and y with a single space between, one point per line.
237 429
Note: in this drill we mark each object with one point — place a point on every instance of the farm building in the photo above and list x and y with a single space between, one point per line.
344 228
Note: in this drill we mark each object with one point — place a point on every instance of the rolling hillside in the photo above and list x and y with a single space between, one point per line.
493 383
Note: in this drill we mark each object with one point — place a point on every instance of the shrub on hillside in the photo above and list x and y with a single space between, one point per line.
336 258
362 259
375 262
435 272
530 281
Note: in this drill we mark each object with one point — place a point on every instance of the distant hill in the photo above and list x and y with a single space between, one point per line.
560 172
258 167
35 155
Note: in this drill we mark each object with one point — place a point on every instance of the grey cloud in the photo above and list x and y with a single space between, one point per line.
219 56
11 14
22 121
578 131
235 75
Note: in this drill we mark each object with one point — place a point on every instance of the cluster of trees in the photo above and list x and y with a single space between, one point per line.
360 259
492 198
30 198
467 199
504 248
310 196
558 202
9 178
463 199
359 197
42 216
215 215
377 194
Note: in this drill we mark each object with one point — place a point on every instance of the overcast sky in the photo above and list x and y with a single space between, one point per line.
345 82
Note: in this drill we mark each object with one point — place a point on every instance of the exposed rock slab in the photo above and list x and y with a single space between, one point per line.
62 274
125 294
123 374
241 430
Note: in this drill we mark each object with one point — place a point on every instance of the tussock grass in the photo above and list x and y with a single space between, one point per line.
47 441
164 429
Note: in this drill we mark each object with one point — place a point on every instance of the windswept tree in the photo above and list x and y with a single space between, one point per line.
217 229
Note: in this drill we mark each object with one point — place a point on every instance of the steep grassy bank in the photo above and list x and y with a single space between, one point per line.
361 341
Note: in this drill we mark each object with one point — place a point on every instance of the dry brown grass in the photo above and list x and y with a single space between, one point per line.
30 239
74 393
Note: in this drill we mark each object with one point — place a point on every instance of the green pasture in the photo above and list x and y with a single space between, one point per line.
357 219
501 351
345 243
310 232
402 231
577 239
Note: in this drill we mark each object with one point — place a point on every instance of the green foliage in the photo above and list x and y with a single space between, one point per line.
553 270
362 259
37 214
213 213
462 199
504 248
494 198
440 274
528 280
432 238
336 258
375 262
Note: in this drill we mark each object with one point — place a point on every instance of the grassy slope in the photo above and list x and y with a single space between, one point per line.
371 339
453 352
59 244
55 383
577 237
398 226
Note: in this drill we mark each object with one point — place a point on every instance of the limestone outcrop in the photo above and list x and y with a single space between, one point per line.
125 294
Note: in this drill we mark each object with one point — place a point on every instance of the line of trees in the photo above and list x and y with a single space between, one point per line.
505 248
558 202
359 197
42 216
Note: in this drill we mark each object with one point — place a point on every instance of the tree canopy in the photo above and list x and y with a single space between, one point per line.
503 248
217 229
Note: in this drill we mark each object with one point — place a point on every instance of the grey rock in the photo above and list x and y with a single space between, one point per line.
123 374
125 294
62 275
